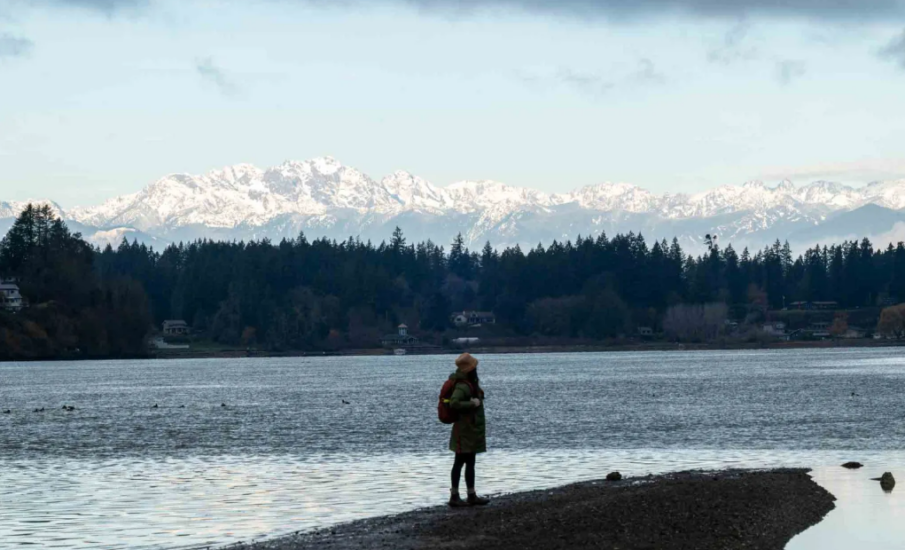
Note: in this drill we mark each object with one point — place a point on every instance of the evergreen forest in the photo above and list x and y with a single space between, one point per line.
321 294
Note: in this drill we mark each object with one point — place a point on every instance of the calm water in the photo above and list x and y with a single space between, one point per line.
286 454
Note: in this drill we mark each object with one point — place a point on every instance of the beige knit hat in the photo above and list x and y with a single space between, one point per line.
465 363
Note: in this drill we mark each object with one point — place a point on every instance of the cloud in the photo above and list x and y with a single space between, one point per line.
733 49
103 6
808 9
591 84
14 46
789 70
213 74
838 10
860 171
895 51
647 73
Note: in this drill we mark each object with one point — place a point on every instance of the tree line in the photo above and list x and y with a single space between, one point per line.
300 294
73 311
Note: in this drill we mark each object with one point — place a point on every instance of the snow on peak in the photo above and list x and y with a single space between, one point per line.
325 191
12 209
615 196
785 186
414 192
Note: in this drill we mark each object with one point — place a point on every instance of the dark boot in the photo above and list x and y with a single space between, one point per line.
475 500
455 501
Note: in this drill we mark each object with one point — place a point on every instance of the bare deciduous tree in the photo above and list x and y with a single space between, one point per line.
695 322
892 322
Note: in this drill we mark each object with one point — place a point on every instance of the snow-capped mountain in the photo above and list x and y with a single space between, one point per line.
12 209
323 197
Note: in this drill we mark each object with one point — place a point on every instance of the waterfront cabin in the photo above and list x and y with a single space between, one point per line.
777 329
473 318
820 329
401 338
175 327
10 297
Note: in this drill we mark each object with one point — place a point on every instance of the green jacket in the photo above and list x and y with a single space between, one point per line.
469 434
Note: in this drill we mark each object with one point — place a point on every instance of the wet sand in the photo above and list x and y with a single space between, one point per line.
701 510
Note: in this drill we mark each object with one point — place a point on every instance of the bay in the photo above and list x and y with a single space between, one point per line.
250 448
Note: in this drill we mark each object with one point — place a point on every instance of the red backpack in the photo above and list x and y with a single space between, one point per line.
445 413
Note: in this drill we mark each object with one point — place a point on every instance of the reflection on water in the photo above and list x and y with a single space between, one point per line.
285 454
865 516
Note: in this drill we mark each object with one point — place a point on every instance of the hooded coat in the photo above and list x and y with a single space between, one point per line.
469 434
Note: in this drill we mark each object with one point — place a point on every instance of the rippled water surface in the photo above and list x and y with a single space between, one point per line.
285 453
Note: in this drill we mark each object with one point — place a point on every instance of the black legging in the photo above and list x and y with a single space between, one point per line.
468 460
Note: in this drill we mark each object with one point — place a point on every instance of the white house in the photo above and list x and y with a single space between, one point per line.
10 298
473 318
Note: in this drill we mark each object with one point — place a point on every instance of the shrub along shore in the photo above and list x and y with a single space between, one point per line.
703 510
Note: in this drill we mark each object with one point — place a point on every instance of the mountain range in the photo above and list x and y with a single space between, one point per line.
324 198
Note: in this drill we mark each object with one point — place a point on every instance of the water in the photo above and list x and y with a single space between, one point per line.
286 454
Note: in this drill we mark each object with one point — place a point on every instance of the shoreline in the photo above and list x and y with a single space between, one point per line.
490 350
541 349
705 510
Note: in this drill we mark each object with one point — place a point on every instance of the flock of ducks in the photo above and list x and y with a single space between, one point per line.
70 408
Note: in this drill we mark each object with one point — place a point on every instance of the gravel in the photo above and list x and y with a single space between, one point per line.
723 510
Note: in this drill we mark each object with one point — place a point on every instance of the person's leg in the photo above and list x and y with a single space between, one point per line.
457 471
473 498
469 471
456 474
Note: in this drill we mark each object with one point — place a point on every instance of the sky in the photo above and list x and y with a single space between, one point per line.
99 98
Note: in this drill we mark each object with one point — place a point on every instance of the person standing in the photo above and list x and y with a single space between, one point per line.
469 435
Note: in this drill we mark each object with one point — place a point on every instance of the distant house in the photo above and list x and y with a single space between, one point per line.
777 329
175 327
401 338
820 329
645 332
10 298
465 341
473 318
854 332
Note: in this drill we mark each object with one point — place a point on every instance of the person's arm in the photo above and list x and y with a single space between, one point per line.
460 399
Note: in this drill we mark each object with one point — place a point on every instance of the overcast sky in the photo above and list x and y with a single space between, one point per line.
101 97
